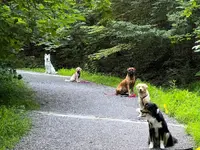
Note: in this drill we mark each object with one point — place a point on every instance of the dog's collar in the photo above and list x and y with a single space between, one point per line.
144 97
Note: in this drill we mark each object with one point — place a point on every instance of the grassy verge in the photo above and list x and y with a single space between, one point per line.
184 105
34 69
13 125
15 99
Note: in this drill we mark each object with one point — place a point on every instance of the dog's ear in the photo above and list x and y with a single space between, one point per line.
131 68
78 68
147 105
146 86
158 110
137 86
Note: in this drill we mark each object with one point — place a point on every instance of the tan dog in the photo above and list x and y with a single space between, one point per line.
143 96
126 85
75 77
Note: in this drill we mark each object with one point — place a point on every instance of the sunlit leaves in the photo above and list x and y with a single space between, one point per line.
106 52
185 22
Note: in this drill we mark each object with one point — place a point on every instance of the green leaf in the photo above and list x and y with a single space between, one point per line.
41 6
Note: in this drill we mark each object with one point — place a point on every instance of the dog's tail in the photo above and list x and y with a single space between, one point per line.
67 80
174 140
171 141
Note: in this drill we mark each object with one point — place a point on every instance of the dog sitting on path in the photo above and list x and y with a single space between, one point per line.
126 85
159 135
76 76
48 65
143 96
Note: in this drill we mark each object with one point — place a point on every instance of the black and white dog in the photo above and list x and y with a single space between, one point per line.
159 135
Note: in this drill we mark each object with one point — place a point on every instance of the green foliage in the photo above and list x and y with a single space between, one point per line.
66 72
13 30
42 70
194 87
198 74
15 99
134 11
41 22
194 130
106 52
186 23
99 12
14 124
13 92
160 10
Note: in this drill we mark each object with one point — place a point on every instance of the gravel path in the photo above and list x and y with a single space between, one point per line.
80 116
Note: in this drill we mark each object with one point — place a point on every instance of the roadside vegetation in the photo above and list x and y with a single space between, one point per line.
15 100
181 104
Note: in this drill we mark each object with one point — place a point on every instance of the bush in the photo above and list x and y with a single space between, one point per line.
14 123
15 99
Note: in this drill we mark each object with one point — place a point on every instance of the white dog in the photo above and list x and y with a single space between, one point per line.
76 76
48 65
143 96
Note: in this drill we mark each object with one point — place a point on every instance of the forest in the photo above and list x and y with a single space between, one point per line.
160 38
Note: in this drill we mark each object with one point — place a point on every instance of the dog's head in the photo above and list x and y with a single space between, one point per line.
141 87
151 109
131 71
78 69
47 57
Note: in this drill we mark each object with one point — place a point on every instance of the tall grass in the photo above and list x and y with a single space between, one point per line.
15 99
182 104
34 69
14 124
194 87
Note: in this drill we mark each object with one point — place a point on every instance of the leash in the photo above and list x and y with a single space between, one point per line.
122 95
142 98
186 149
84 81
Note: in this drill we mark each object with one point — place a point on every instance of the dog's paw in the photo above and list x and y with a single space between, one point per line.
151 145
138 110
139 116
143 115
162 145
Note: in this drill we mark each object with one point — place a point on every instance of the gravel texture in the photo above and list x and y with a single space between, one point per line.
86 116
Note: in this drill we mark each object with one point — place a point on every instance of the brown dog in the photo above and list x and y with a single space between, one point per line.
126 85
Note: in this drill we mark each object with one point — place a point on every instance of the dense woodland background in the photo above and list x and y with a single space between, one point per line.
160 38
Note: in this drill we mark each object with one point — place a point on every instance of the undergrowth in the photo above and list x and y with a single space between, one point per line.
15 99
182 104
13 125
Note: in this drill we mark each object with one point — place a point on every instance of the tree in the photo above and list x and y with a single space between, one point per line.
34 21
186 25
